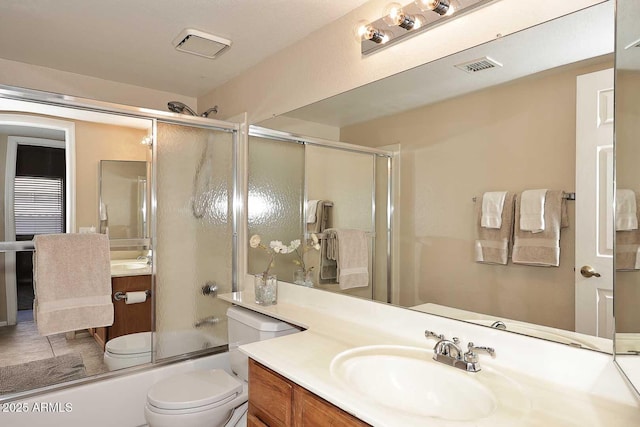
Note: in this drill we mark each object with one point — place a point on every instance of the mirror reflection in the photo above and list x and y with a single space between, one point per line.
51 162
511 127
123 199
627 338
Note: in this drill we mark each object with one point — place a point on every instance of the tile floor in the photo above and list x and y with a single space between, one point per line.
22 343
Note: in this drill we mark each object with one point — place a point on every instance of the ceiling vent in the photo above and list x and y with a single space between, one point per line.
634 44
480 64
201 44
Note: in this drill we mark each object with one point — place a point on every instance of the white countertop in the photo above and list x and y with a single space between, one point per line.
561 385
129 267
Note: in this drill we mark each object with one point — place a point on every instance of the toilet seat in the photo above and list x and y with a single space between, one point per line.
193 392
130 345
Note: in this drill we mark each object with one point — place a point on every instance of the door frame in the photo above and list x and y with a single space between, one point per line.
10 172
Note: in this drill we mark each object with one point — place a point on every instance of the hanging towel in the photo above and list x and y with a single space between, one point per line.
626 211
72 282
312 208
352 258
328 264
543 248
531 216
493 244
492 205
628 245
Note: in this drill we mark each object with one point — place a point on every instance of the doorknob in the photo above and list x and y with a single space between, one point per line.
588 271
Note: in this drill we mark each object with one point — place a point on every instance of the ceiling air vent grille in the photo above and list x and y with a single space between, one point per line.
480 64
201 43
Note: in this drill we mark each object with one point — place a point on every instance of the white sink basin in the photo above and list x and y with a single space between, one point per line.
407 385
129 266
407 379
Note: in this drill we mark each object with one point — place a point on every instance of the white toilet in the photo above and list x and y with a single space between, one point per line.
213 398
128 350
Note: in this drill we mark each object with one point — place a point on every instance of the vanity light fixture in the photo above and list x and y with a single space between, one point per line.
400 22
147 140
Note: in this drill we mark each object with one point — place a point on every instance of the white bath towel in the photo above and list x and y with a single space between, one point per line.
352 258
492 205
312 208
72 282
626 210
532 210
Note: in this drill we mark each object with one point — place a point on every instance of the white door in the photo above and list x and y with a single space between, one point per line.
594 204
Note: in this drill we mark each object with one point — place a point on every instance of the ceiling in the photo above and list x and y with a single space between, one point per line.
576 37
131 41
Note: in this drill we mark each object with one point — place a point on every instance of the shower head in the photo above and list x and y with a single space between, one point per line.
212 110
180 108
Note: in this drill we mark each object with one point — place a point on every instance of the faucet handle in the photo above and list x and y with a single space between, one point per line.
472 357
431 334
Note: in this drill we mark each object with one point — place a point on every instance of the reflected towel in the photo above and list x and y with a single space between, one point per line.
493 244
543 248
352 257
328 265
312 208
72 282
626 210
628 246
492 205
531 216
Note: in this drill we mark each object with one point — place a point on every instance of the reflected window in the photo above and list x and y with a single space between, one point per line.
39 205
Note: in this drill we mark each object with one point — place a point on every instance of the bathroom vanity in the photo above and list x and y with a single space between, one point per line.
372 361
274 400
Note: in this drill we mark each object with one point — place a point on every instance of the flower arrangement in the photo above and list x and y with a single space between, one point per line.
311 243
275 247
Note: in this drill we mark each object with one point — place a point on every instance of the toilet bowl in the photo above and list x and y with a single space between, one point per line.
195 399
213 398
128 350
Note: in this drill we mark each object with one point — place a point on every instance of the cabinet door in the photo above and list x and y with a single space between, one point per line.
270 396
130 318
312 411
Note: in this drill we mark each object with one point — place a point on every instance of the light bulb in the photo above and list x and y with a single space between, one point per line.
441 7
370 33
454 6
395 16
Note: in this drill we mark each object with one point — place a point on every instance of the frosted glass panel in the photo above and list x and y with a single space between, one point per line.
193 237
274 206
382 238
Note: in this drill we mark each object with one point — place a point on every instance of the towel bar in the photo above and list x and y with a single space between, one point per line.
566 196
324 236
120 296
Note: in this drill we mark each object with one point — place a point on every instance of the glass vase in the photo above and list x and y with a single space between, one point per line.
303 278
266 289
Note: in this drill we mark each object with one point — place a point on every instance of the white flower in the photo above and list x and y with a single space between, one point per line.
293 245
316 246
255 240
314 238
278 247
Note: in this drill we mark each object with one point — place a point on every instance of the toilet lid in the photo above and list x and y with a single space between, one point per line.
130 344
194 389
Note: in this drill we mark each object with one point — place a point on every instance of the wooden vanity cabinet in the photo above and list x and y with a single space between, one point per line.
274 401
127 318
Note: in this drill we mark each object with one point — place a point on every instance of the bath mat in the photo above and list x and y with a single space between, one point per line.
41 373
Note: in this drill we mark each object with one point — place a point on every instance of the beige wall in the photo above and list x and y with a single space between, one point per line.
3 294
513 137
627 283
47 79
328 62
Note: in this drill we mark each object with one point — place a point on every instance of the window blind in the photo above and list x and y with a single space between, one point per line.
38 205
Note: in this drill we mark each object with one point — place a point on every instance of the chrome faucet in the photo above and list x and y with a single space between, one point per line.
449 352
147 257
498 324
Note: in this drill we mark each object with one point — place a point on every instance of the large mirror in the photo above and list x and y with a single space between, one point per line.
124 196
502 116
627 280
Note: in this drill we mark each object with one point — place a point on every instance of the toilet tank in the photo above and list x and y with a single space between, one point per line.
246 326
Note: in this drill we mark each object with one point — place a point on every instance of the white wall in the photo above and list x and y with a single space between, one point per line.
329 62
